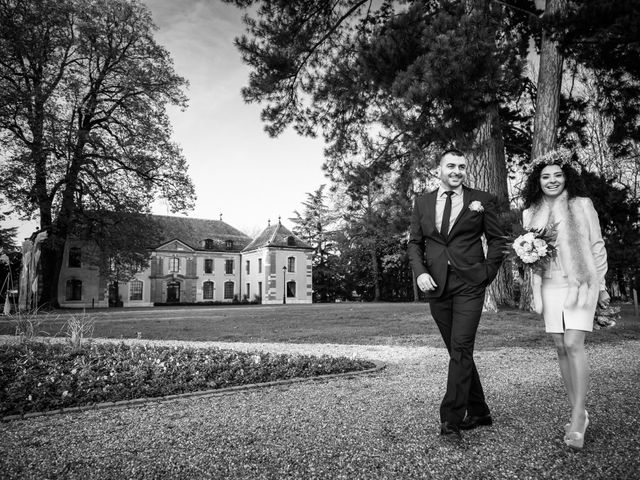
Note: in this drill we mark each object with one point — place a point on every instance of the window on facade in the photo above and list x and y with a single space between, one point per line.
74 290
75 257
291 264
291 289
228 267
135 290
207 290
174 264
208 265
259 265
208 244
228 290
248 291
248 265
228 244
291 241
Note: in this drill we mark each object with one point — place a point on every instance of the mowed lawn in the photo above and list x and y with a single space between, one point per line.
383 425
340 323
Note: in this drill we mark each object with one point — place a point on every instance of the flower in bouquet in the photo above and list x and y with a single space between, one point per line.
606 317
533 248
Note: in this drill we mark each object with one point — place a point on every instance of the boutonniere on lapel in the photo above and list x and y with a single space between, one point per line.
476 206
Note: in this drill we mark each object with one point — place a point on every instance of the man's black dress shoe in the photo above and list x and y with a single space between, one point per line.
471 421
450 431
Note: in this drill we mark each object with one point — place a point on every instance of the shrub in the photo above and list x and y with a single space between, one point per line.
77 328
27 324
39 376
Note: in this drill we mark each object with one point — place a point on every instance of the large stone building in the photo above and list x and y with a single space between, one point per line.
197 261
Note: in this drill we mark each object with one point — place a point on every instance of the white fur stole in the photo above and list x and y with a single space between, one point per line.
573 244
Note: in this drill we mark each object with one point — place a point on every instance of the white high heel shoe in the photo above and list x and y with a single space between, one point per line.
567 426
575 440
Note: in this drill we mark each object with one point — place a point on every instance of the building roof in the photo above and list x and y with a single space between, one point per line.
277 236
194 231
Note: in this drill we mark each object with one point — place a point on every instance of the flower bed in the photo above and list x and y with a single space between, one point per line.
36 376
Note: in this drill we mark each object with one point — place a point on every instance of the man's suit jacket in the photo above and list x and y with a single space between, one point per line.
429 251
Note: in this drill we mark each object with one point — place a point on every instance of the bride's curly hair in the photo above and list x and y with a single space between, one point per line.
532 192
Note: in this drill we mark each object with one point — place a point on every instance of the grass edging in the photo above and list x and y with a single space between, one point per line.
216 392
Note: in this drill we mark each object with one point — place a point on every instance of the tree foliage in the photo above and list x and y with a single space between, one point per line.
385 83
390 83
118 242
375 227
317 226
84 90
603 36
7 236
619 215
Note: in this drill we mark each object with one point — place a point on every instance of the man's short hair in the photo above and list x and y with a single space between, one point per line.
451 151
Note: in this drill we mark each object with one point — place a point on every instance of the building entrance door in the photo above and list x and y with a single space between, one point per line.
114 295
173 292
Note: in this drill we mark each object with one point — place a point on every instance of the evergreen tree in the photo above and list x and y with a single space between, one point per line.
388 85
619 215
603 36
585 33
316 225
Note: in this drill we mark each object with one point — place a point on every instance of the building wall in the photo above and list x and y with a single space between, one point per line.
91 293
278 277
125 291
190 277
256 278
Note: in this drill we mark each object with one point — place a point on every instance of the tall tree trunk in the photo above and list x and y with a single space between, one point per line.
376 274
545 122
488 171
61 227
48 253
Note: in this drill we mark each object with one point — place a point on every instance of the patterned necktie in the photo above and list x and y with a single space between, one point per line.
446 215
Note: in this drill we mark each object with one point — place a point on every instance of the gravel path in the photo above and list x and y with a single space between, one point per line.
375 426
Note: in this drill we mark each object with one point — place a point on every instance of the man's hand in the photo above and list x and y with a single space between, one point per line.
603 299
426 283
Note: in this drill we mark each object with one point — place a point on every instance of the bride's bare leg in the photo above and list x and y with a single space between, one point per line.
579 373
565 368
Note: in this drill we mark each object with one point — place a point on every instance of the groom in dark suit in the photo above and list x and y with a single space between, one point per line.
446 254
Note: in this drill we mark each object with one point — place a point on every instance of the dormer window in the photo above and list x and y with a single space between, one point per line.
208 244
291 241
228 244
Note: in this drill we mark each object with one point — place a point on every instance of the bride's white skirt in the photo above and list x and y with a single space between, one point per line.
557 317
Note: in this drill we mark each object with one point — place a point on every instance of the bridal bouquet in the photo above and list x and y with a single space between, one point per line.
606 317
532 248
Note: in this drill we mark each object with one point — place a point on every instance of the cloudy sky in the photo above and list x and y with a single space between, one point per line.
238 170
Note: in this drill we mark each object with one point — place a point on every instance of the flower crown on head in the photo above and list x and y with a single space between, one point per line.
561 156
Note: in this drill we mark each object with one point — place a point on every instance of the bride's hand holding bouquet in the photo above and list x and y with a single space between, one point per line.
532 249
